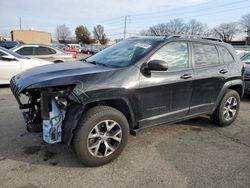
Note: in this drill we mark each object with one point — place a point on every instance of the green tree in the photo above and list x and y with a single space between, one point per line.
83 35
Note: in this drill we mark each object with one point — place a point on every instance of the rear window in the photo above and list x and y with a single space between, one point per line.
205 55
226 55
26 51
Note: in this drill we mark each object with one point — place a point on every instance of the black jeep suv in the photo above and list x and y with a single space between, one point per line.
93 104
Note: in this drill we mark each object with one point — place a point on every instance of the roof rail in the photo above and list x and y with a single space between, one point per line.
193 37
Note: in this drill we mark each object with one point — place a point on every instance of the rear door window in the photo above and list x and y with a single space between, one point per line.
226 55
41 50
205 55
26 51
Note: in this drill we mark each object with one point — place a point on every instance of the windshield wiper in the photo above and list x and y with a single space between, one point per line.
97 63
102 64
91 62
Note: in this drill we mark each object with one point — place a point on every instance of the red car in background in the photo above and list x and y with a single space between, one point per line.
72 48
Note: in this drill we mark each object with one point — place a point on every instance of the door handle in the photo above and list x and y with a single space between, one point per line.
223 71
186 76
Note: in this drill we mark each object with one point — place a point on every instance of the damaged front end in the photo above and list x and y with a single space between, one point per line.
52 128
46 111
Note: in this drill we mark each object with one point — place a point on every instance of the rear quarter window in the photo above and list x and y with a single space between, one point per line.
205 55
226 55
41 50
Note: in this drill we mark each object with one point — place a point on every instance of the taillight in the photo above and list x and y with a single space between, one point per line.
244 67
74 56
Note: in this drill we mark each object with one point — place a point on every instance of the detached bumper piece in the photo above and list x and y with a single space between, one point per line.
52 128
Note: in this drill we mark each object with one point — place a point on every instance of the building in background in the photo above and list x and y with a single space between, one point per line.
31 36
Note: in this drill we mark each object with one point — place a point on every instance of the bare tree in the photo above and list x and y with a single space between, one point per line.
62 32
226 31
157 30
174 26
195 27
99 34
245 21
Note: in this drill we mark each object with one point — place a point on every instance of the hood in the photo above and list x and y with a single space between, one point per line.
56 74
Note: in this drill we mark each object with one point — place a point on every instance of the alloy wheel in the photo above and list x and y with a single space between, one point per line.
104 138
230 108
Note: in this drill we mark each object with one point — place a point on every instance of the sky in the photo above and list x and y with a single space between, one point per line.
45 15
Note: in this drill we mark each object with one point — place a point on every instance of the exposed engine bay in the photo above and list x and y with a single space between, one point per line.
47 110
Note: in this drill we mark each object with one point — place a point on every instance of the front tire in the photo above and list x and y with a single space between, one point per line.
101 136
227 110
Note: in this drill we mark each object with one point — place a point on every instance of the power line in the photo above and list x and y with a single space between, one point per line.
186 12
197 15
164 15
136 21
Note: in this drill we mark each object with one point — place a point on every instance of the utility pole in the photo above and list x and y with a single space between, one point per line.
20 23
125 28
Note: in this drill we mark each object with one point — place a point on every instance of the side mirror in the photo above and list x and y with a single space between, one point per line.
156 65
8 58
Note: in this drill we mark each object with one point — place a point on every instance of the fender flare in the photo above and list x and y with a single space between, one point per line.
71 120
75 113
227 85
129 104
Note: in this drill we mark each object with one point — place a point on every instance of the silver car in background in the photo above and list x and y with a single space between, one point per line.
44 52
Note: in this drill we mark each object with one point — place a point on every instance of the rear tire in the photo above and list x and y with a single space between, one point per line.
227 110
101 136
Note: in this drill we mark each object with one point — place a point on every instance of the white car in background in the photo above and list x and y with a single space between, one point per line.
12 63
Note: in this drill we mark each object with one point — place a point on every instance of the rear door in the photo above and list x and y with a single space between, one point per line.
8 68
228 59
210 74
26 51
43 52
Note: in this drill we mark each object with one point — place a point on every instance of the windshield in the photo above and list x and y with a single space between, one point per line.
14 54
124 53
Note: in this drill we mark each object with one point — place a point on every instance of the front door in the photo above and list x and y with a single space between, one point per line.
8 68
165 95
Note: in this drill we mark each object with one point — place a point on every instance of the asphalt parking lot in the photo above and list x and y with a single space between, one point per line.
193 153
